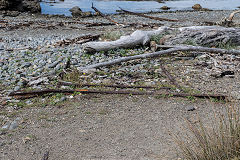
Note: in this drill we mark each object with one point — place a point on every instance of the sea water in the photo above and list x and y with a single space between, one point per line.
110 6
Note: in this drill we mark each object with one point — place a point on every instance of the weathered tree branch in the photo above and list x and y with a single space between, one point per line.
160 53
136 38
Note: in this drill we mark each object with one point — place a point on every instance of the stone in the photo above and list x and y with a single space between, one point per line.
54 64
14 124
38 81
197 7
86 14
165 8
191 108
17 88
62 99
4 4
27 64
21 5
76 11
6 126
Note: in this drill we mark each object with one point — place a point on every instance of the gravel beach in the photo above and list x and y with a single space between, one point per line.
27 40
31 57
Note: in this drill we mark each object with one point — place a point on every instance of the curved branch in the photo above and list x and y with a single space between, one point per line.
160 53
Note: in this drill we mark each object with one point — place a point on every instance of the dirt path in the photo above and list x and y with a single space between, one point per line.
103 127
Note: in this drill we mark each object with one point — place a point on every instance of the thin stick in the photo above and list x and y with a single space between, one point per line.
150 17
170 77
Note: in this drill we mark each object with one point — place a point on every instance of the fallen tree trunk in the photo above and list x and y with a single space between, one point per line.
136 38
212 36
160 53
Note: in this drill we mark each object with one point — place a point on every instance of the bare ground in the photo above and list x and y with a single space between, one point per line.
111 126
104 127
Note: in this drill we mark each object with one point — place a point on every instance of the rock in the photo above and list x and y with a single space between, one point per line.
6 126
14 124
11 13
235 95
38 81
28 102
4 4
86 14
203 57
20 5
164 39
62 99
165 8
197 7
76 11
191 108
74 62
88 71
17 88
27 64
54 64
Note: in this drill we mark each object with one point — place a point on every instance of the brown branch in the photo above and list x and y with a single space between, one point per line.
110 86
170 77
103 15
160 53
150 17
24 95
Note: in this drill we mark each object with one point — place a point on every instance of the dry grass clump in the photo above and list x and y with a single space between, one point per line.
221 142
111 36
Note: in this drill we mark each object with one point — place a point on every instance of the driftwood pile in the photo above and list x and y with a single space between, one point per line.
206 39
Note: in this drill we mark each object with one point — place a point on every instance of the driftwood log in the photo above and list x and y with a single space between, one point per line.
161 53
136 38
210 36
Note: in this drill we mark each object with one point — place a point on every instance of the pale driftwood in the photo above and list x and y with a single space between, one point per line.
160 53
228 21
136 38
230 18
211 36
